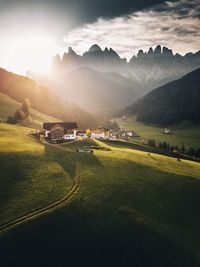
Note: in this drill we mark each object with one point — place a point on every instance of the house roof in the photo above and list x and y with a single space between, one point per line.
100 130
65 125
57 126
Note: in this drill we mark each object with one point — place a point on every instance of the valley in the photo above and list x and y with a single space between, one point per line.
128 202
187 135
99 133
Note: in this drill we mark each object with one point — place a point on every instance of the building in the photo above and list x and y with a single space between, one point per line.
60 131
124 134
114 134
167 131
132 134
81 133
100 133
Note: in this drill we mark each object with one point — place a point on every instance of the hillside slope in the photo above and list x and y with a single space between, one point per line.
172 103
8 107
132 209
42 99
32 176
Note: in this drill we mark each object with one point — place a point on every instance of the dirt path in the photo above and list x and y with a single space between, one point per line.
57 204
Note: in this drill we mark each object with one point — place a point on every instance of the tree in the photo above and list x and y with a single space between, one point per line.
115 125
152 142
183 148
165 146
25 108
11 120
160 145
191 152
18 115
198 152
176 148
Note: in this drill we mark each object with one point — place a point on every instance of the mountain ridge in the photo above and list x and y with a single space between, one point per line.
171 103
151 69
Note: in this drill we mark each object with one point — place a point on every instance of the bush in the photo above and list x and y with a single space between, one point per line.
11 120
152 142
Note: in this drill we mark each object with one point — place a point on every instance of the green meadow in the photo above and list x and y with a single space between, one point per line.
8 107
132 208
187 135
31 176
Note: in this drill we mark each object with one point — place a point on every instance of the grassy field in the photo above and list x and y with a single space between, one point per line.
188 136
31 175
132 209
8 107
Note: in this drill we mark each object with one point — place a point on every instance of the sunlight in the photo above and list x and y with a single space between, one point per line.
30 52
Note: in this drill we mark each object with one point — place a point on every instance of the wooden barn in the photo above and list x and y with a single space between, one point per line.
60 131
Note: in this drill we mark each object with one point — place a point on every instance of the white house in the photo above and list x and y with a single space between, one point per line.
100 133
60 131
70 136
132 134
167 131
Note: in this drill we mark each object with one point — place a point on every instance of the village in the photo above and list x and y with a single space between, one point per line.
60 132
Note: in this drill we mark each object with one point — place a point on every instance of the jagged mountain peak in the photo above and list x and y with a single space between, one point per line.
167 51
152 67
150 52
95 48
71 51
157 50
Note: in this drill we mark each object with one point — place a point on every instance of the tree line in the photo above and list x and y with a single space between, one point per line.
166 146
21 114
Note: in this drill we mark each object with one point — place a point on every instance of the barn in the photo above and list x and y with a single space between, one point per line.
60 131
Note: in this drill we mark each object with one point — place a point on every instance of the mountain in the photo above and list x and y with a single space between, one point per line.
95 58
150 69
160 65
102 82
172 103
42 99
96 91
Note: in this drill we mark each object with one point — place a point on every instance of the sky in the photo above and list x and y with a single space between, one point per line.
32 32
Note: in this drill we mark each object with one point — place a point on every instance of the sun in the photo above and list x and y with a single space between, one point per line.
32 51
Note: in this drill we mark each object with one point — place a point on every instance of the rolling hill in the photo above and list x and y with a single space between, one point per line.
32 177
42 99
8 106
172 103
132 208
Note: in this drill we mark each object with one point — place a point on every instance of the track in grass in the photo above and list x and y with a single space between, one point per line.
74 189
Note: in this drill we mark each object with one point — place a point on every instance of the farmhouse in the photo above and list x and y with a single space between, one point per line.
132 134
167 131
100 133
60 131
123 133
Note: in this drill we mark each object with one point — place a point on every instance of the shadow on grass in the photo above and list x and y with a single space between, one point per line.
63 158
105 233
79 237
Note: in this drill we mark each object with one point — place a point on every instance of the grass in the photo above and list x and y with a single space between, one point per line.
188 136
31 175
132 209
8 107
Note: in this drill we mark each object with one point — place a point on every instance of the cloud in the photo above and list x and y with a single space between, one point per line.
173 24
